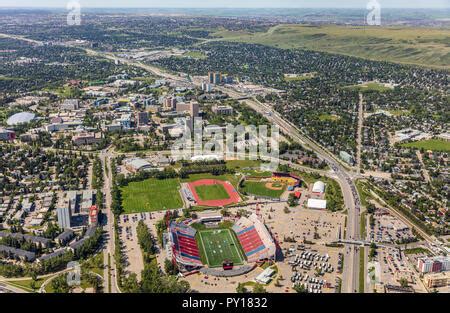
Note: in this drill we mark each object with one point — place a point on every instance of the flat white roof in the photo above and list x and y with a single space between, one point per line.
317 204
265 276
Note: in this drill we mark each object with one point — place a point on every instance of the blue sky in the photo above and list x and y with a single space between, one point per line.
231 3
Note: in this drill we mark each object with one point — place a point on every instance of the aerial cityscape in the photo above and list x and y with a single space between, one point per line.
195 148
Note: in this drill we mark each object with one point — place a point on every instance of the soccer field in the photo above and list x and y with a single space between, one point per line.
211 192
151 195
217 245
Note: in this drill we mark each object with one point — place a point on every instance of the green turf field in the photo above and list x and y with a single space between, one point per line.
369 86
211 192
259 189
217 245
430 144
233 179
151 195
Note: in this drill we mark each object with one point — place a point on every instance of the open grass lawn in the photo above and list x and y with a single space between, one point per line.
418 250
259 189
371 86
226 177
413 45
26 284
363 192
299 77
400 112
217 245
241 164
333 192
329 117
151 195
362 271
211 192
255 173
430 144
94 264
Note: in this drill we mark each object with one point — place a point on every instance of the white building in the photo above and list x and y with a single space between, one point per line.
317 204
318 187
137 164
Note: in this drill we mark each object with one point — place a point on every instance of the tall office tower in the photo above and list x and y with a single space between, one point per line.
211 77
193 109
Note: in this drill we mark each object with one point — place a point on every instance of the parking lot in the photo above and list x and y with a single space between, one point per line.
388 229
306 261
394 266
128 235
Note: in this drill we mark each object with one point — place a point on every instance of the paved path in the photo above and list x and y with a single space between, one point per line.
344 173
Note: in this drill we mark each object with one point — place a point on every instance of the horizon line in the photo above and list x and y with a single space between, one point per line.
211 7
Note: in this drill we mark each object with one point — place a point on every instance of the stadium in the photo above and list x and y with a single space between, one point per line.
201 244
210 193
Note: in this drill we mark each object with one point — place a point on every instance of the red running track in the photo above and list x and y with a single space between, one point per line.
232 193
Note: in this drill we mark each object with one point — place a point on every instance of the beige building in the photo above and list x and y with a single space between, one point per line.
436 280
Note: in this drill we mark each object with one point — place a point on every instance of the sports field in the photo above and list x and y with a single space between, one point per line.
430 144
151 195
217 245
260 189
211 192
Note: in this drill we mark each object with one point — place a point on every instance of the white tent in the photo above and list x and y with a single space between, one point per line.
317 204
318 187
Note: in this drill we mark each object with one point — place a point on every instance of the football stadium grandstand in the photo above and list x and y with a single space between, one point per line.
188 194
255 239
184 246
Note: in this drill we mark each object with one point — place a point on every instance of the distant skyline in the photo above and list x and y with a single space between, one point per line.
435 4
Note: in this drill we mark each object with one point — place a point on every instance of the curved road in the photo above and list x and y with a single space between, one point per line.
343 174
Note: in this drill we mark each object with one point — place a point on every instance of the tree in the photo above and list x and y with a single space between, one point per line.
300 288
258 288
241 288
403 282
170 268
292 200
130 283
59 284
145 238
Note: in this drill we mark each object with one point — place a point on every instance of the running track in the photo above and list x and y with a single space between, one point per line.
232 193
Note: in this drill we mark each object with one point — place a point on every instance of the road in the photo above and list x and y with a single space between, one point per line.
105 157
351 198
344 173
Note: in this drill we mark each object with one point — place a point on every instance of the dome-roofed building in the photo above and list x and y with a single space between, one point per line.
20 118
318 187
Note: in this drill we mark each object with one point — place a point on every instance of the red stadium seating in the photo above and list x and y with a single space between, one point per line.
184 247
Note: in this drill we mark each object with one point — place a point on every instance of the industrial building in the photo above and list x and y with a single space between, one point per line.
135 165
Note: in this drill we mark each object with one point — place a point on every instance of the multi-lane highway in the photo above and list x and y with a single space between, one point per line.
343 174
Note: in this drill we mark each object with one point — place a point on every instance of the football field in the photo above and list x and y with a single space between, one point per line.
217 245
211 192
